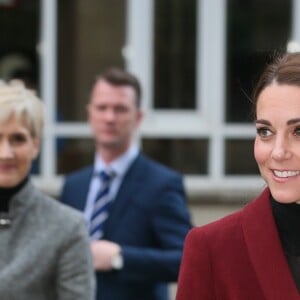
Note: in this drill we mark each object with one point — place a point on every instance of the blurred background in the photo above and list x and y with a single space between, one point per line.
198 61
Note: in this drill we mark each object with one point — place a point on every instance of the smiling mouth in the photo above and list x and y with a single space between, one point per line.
286 174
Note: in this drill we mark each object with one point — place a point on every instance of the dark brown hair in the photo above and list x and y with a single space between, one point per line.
285 69
119 77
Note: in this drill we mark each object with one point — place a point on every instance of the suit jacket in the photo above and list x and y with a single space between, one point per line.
149 218
44 254
237 257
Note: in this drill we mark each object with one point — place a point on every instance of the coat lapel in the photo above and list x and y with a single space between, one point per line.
80 192
125 195
265 250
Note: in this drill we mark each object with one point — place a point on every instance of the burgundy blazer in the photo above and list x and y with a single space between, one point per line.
238 257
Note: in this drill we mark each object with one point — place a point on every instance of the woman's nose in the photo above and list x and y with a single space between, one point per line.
6 150
281 150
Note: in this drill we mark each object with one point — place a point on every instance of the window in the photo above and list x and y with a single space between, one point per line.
188 156
91 35
175 54
255 29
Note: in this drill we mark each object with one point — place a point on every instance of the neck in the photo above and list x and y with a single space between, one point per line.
110 154
7 193
287 218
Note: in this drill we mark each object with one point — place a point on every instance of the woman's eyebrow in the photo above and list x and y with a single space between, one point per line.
262 121
289 122
293 121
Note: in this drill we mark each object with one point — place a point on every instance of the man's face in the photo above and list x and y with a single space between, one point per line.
113 115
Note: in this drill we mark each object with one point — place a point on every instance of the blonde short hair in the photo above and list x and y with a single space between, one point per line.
18 101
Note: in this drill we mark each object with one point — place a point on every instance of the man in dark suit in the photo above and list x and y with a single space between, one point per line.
139 226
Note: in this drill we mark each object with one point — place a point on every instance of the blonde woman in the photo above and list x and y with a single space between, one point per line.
44 251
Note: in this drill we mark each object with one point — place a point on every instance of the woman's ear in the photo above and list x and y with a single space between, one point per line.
36 143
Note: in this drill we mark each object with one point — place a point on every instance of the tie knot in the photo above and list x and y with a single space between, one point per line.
106 176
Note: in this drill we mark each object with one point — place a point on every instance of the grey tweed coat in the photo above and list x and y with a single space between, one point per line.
44 253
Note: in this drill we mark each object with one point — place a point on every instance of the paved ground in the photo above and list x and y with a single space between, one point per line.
205 213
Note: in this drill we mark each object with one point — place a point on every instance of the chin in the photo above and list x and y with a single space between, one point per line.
113 145
8 183
284 197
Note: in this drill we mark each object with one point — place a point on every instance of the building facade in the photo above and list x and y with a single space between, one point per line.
198 61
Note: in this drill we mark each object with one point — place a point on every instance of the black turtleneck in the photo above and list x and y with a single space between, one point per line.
7 193
287 218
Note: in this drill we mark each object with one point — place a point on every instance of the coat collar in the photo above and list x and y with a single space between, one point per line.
265 250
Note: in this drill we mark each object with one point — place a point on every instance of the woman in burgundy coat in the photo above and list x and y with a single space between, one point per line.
255 253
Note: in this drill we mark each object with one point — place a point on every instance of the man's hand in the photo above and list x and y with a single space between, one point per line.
103 252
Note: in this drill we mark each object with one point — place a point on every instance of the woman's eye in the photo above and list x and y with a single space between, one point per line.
18 139
264 131
297 131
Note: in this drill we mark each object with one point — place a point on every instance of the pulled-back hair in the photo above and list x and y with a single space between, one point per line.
119 77
23 104
285 69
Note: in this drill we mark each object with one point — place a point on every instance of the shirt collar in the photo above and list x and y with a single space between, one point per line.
120 165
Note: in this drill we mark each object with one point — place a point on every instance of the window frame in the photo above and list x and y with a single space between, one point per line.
207 122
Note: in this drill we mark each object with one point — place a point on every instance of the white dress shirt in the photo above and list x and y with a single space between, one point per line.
119 166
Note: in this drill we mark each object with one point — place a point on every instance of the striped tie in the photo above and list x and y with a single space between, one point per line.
101 206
